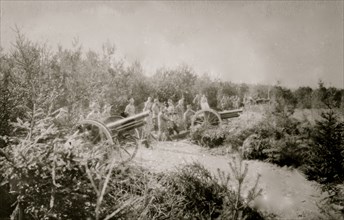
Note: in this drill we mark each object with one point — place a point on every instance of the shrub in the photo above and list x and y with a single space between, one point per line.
209 136
237 139
278 139
214 137
187 193
196 134
332 206
254 148
193 193
326 155
288 151
52 178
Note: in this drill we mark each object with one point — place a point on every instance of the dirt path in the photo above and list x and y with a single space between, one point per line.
286 192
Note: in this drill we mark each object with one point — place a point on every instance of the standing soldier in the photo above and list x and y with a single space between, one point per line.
130 108
170 108
148 104
180 113
149 124
171 111
237 102
155 113
197 101
106 111
187 116
204 102
223 102
162 124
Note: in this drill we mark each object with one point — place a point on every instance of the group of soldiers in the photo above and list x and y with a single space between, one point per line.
165 118
230 102
169 118
235 102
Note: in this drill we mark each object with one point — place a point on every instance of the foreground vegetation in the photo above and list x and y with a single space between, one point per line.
50 176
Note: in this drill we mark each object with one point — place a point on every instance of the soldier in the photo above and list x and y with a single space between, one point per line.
197 102
180 113
95 111
149 120
106 111
170 108
223 102
148 104
204 102
162 124
187 116
155 113
130 108
236 102
171 112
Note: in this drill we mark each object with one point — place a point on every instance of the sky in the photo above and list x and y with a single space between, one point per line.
294 42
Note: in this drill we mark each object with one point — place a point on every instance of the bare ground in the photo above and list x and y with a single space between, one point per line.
286 192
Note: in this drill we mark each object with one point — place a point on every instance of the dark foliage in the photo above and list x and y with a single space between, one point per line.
193 193
278 139
209 136
326 156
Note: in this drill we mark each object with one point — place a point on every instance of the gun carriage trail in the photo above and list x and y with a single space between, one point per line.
286 192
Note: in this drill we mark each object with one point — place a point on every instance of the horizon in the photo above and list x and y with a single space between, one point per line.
296 43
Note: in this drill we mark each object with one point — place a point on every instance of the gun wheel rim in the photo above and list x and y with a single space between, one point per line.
206 117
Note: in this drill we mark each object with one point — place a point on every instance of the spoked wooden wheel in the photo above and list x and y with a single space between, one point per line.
206 117
92 132
128 143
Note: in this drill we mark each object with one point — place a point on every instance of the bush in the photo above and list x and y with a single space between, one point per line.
53 178
214 137
237 139
193 193
187 193
196 134
325 163
278 139
288 151
209 136
332 206
253 148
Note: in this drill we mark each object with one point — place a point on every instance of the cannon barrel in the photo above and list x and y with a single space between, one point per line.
230 114
128 123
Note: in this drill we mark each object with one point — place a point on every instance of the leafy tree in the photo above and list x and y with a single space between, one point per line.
227 88
304 97
243 89
283 100
174 83
326 97
259 91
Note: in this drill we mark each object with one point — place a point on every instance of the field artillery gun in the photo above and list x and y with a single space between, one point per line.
121 133
126 134
212 117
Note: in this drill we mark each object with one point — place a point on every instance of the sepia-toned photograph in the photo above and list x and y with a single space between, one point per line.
224 110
